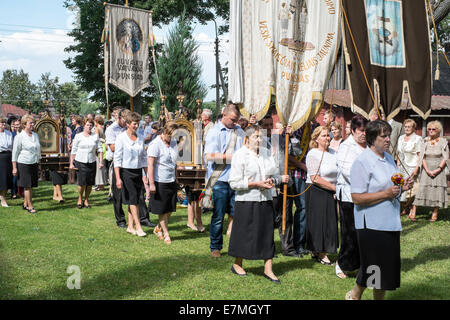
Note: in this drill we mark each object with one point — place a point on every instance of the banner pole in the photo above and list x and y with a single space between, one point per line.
286 155
131 98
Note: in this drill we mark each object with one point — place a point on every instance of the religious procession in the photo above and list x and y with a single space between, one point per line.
326 146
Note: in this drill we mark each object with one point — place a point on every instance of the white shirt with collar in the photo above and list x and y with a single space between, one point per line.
165 159
129 154
26 149
348 151
6 141
85 148
110 138
247 166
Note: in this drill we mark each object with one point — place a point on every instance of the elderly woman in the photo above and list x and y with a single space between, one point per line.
85 147
408 149
336 131
253 174
25 158
433 180
377 214
129 160
162 156
321 214
6 145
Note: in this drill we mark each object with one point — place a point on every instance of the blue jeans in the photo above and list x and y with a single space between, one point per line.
300 214
223 200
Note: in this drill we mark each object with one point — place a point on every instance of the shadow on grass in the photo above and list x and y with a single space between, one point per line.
426 290
7 284
425 256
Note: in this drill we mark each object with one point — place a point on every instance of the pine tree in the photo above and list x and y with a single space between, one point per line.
179 63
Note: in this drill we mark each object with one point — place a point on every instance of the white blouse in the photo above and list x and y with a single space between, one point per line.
326 170
85 148
129 154
6 141
247 166
409 151
165 159
26 149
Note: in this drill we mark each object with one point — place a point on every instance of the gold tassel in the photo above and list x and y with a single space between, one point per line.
437 74
103 35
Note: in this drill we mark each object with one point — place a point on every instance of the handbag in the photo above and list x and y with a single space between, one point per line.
206 197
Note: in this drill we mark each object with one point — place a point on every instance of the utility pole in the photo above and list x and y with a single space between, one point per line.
217 73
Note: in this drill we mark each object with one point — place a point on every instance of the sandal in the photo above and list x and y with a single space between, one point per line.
193 228
167 239
412 218
132 231
24 208
140 233
32 210
348 296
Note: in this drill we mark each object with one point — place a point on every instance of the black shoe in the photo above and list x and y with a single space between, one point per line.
273 280
293 254
110 199
79 206
303 251
122 225
235 272
148 223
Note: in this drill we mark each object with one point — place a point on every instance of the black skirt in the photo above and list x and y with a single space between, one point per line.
86 173
132 185
380 259
5 171
252 233
164 200
28 175
321 220
58 178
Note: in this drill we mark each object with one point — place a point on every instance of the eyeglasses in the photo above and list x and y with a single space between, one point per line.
431 129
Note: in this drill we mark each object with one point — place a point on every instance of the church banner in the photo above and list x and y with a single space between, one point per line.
285 48
393 42
128 36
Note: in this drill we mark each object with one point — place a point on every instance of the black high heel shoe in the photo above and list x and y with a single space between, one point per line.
239 274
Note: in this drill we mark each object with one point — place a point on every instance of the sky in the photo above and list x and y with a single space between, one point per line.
33 35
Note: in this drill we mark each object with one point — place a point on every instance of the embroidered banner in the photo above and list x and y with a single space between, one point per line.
393 41
285 48
128 36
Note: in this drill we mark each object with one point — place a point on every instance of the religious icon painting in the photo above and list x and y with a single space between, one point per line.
385 30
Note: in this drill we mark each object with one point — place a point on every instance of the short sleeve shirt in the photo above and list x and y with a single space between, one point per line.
166 159
370 174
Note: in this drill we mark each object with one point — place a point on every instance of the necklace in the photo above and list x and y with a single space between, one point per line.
434 141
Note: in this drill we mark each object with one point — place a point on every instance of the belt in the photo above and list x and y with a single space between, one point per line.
5 152
433 156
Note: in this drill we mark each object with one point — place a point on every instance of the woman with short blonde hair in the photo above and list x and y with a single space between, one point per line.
336 132
432 162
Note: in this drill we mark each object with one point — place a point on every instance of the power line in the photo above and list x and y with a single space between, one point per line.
6 37
24 26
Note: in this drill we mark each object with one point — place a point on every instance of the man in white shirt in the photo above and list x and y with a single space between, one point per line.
349 150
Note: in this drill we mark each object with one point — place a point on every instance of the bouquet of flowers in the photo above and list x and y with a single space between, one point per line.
398 179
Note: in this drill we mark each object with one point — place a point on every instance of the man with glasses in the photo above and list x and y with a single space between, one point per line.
216 145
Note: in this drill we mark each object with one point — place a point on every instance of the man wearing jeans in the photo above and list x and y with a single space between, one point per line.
217 141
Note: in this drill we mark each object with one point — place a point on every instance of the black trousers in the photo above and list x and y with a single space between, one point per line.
287 240
348 258
117 203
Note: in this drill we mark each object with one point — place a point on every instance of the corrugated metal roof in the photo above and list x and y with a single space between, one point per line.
342 98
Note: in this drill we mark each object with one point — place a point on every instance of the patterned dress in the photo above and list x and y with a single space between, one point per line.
408 152
433 191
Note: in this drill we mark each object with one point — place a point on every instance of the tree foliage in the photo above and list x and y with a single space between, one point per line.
87 61
180 64
17 88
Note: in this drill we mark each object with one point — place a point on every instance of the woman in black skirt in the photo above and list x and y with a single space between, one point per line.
162 160
85 147
321 213
6 145
129 160
377 214
58 180
25 158
253 175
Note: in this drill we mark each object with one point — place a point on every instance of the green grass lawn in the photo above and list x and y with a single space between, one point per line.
36 250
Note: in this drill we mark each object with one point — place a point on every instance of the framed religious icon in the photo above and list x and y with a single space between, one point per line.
48 131
185 137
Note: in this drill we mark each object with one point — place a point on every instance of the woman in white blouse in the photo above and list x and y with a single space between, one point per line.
321 214
408 149
129 160
6 145
85 147
253 174
25 158
162 156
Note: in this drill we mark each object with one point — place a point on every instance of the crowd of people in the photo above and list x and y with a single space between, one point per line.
335 177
